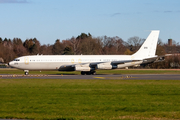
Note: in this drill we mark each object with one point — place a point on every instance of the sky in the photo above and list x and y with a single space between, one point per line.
49 20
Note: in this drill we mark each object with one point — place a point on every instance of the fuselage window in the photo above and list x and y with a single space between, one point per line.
16 59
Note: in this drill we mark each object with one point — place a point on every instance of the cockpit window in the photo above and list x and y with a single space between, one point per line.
16 59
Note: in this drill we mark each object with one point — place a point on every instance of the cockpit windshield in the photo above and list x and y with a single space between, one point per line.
16 59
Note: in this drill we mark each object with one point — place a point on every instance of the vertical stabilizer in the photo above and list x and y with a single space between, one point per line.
148 48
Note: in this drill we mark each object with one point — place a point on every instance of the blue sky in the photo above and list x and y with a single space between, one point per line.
48 20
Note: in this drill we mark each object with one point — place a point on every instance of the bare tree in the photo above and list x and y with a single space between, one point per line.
58 48
46 49
135 43
113 45
75 45
18 47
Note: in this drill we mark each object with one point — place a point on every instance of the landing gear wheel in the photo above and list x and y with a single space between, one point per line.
88 73
92 72
26 72
82 73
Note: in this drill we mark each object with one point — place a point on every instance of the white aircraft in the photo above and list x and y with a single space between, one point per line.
87 64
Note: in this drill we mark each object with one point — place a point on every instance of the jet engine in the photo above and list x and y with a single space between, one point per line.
79 68
105 66
129 64
84 67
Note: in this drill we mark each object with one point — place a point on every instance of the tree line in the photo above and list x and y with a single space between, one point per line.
87 45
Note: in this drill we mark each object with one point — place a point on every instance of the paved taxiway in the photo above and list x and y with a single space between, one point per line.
103 77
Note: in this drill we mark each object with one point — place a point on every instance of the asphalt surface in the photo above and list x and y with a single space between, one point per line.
98 77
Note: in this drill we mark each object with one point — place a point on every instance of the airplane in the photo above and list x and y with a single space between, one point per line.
88 64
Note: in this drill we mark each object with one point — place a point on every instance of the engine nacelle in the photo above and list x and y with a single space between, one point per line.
104 66
129 64
79 68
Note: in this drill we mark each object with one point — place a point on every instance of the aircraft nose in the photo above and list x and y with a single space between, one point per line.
9 64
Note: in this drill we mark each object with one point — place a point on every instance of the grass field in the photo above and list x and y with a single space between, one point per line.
120 71
90 99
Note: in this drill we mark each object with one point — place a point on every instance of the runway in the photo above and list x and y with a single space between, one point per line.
98 77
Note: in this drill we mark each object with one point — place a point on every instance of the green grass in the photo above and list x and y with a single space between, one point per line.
139 71
120 71
16 71
90 99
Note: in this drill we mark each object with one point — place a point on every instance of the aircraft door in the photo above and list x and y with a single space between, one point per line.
26 60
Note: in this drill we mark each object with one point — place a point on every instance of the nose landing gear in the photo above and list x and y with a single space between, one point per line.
26 72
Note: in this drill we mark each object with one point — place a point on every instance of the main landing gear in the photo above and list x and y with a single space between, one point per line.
26 72
88 72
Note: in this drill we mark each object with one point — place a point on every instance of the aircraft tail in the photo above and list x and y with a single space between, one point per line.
148 48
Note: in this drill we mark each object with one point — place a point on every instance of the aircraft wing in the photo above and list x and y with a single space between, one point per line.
99 65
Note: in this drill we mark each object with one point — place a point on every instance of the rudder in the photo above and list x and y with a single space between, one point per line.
148 48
